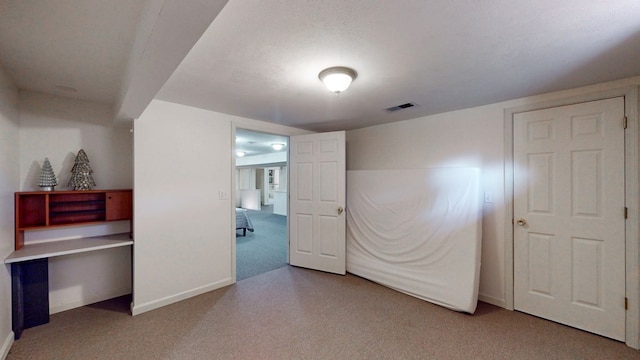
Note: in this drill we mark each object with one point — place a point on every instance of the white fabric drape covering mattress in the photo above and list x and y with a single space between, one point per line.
417 231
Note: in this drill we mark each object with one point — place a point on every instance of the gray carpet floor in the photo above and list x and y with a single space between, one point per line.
265 249
293 313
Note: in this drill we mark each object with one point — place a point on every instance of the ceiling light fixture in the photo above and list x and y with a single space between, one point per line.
240 153
277 146
337 79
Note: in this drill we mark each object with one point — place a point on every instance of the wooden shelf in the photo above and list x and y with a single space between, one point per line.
44 209
66 247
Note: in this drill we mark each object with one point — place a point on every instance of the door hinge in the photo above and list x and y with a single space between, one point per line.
626 303
626 212
624 122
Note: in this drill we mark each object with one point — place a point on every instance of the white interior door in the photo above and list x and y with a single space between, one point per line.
569 215
317 199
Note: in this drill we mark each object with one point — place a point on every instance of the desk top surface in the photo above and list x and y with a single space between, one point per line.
66 247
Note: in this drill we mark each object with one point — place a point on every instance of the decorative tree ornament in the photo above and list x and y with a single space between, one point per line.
48 179
81 178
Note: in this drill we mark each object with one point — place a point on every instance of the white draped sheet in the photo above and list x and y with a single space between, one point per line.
417 231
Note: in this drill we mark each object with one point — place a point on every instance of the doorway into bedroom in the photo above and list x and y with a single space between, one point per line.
261 202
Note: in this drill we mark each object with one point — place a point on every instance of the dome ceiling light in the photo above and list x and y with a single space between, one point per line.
337 79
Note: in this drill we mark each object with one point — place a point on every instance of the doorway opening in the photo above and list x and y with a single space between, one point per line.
261 202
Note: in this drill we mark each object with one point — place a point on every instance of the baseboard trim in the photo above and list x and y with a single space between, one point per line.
89 300
155 304
6 345
492 300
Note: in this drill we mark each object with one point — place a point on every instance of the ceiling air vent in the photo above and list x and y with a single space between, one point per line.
400 107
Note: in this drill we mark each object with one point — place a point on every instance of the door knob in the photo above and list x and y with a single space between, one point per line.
340 210
521 222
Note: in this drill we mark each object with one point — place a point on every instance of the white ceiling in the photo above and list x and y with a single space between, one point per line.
82 45
257 143
260 59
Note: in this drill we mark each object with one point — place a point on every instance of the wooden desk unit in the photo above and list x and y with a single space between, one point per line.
45 210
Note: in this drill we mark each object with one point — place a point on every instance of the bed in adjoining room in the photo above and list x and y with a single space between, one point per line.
243 222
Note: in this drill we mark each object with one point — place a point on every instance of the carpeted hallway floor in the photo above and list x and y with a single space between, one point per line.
265 249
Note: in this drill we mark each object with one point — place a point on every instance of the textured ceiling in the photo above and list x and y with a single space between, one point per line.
51 46
260 58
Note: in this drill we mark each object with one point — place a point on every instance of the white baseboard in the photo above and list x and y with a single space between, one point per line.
6 345
492 300
137 309
89 300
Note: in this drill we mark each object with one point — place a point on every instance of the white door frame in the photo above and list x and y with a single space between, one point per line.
632 193
233 190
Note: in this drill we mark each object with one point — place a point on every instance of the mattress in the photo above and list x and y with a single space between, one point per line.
417 231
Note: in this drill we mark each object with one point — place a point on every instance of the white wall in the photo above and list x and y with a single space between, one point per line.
9 179
57 128
182 230
184 235
466 138
264 159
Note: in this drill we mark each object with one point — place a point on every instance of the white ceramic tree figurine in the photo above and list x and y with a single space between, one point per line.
47 177
81 178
